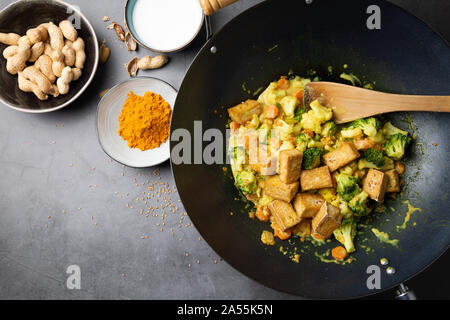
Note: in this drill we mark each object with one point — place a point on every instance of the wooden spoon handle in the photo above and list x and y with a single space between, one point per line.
211 6
415 103
350 103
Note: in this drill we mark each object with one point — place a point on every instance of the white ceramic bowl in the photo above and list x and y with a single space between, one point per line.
108 112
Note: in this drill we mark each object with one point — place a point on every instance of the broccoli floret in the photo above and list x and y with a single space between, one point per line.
246 182
359 204
329 129
395 146
345 210
311 158
237 152
369 126
264 133
388 164
347 186
389 129
302 141
298 113
346 233
375 156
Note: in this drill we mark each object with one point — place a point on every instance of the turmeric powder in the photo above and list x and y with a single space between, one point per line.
145 121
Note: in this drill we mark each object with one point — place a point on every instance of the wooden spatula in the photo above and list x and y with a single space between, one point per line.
350 103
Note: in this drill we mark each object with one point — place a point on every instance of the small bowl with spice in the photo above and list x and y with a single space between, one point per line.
133 121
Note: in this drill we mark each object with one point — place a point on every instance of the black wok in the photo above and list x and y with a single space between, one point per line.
267 41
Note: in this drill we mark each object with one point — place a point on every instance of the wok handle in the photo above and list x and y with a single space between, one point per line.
211 6
404 293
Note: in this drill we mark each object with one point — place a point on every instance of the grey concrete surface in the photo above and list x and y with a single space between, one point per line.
64 202
53 162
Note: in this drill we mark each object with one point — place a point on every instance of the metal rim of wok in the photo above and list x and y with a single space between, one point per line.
405 56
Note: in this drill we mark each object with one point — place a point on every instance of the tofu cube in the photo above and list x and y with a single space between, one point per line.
317 178
284 215
393 181
244 112
290 165
364 144
326 220
303 229
375 184
342 156
275 188
307 205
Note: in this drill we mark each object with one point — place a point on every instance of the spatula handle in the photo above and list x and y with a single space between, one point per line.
419 103
211 6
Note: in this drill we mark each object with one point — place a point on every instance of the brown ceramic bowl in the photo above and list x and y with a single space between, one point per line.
25 14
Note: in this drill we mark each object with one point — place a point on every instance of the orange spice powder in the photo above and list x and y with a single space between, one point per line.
145 121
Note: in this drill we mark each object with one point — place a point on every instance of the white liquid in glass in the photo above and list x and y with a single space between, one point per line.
166 25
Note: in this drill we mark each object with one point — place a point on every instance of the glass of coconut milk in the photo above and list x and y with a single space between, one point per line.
164 25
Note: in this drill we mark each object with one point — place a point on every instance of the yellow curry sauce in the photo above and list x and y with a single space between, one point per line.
307 176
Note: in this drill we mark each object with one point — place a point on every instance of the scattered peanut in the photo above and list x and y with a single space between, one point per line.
148 62
58 63
10 39
56 37
34 35
69 32
43 29
17 62
130 42
29 86
48 49
76 74
132 67
34 75
105 52
64 81
69 54
10 51
119 30
102 93
80 55
36 51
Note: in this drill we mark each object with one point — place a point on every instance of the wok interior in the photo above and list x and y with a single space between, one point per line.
255 49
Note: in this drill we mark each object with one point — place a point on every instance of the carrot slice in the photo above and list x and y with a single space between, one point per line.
271 111
250 143
283 83
299 95
262 214
339 253
234 126
283 235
